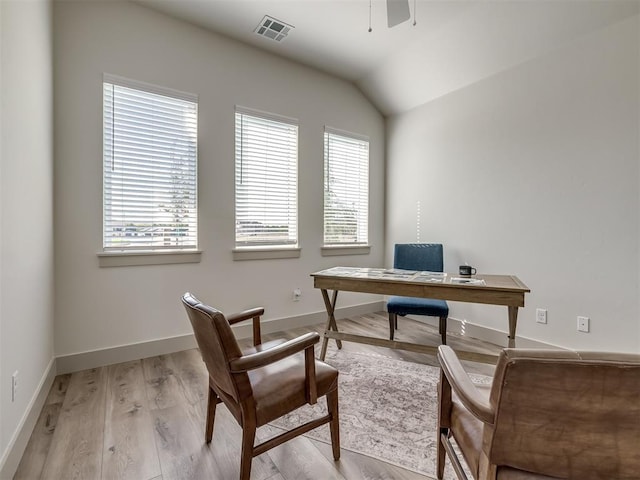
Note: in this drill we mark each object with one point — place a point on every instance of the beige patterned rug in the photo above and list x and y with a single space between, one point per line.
388 409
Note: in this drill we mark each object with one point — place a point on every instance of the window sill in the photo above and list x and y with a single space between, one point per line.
334 250
265 253
127 259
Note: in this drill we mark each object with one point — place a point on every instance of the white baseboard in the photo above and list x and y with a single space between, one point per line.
18 443
125 353
487 334
76 362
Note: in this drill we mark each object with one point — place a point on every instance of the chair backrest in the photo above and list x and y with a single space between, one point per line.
418 256
566 414
217 345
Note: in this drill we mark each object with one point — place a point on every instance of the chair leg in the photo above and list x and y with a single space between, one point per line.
444 421
211 414
443 329
248 439
441 455
334 424
393 324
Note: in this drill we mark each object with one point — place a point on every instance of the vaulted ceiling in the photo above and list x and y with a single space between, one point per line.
453 43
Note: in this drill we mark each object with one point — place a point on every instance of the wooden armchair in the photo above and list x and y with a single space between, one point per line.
547 415
262 383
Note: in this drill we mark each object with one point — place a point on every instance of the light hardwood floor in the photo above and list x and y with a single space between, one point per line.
144 420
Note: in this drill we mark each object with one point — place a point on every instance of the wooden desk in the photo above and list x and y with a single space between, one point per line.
505 290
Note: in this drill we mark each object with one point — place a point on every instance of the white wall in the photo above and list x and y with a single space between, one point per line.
26 212
534 172
99 308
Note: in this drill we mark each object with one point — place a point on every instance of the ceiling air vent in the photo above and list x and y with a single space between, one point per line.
274 29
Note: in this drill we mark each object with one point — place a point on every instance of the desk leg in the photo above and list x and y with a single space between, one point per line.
513 320
330 305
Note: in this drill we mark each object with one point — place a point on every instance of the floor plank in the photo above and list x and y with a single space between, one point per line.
76 446
129 446
182 452
162 386
191 372
33 460
37 449
299 459
355 466
58 389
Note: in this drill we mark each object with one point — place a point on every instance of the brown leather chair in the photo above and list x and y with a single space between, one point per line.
261 383
548 414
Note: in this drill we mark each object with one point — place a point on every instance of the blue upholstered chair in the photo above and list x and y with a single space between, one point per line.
422 257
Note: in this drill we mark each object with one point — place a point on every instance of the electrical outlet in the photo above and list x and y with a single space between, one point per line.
297 293
541 315
14 386
583 324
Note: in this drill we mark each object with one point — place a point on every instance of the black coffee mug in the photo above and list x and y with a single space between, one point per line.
467 270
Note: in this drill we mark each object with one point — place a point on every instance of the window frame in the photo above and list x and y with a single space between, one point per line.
345 247
264 249
144 254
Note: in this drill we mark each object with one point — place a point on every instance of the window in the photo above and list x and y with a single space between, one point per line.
266 180
150 165
346 188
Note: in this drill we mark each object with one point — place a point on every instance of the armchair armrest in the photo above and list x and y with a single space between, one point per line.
254 313
265 357
460 382
245 315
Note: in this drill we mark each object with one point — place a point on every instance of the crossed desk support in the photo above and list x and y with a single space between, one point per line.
505 290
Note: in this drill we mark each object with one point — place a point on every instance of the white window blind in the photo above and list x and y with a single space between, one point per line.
150 167
346 188
266 180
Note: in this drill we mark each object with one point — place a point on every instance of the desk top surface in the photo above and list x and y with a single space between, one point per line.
435 279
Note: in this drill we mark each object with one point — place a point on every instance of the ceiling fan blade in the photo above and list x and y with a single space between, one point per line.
397 12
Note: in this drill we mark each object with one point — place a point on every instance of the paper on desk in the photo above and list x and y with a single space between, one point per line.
468 281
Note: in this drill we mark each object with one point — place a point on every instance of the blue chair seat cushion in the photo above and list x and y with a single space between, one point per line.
418 306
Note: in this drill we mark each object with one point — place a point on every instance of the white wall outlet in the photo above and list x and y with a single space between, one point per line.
541 315
14 386
583 324
297 293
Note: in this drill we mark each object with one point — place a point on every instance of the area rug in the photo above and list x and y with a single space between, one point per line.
388 409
